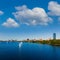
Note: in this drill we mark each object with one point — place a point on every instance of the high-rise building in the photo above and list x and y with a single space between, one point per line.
54 36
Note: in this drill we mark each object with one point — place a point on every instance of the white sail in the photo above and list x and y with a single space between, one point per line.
20 44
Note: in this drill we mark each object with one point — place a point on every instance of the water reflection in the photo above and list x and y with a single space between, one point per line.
32 51
28 51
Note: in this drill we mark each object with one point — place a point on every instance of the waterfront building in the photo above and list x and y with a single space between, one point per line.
54 36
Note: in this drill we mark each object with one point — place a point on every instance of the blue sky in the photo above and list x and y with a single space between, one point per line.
33 19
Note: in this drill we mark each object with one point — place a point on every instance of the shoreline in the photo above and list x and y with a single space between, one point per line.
49 42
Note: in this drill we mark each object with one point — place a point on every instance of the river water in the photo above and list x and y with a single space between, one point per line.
28 51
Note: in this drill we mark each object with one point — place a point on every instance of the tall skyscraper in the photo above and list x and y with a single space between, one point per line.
54 36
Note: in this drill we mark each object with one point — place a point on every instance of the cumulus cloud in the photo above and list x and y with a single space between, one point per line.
35 16
54 8
10 23
1 12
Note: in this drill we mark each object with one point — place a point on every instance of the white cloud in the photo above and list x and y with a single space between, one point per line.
54 8
1 12
10 23
35 16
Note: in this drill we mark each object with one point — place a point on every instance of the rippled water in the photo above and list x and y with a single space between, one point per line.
9 51
28 51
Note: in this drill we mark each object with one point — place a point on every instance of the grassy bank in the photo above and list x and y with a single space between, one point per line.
50 42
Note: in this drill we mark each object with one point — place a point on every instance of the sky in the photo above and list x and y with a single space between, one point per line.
33 19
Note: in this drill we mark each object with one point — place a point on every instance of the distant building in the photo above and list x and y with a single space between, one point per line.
54 36
27 39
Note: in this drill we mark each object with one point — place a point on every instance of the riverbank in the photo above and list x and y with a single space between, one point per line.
50 42
55 42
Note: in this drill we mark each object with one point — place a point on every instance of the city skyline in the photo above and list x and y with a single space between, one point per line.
22 19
